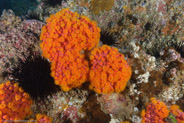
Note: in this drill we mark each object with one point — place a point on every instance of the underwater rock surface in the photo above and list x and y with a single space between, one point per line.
149 34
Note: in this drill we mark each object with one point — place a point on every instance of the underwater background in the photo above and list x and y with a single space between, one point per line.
4 4
20 7
92 61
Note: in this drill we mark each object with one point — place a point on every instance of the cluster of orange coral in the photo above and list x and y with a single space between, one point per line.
15 104
68 31
179 114
70 71
156 112
109 71
65 37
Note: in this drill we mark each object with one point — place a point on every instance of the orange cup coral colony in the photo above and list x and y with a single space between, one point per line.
109 72
65 36
67 30
156 112
70 71
15 104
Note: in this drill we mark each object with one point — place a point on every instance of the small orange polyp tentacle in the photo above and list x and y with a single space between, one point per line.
17 97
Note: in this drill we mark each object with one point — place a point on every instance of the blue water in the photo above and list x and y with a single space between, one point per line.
19 7
4 4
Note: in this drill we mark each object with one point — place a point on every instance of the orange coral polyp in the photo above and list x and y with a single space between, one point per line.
103 78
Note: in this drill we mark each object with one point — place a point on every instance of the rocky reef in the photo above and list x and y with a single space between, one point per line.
147 40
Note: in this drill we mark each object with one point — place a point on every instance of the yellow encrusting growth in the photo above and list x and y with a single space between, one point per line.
98 6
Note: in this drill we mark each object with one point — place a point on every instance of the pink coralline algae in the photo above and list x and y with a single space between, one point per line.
32 25
71 113
17 41
8 19
116 104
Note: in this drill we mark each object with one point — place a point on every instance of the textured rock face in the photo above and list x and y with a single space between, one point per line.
17 38
150 34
